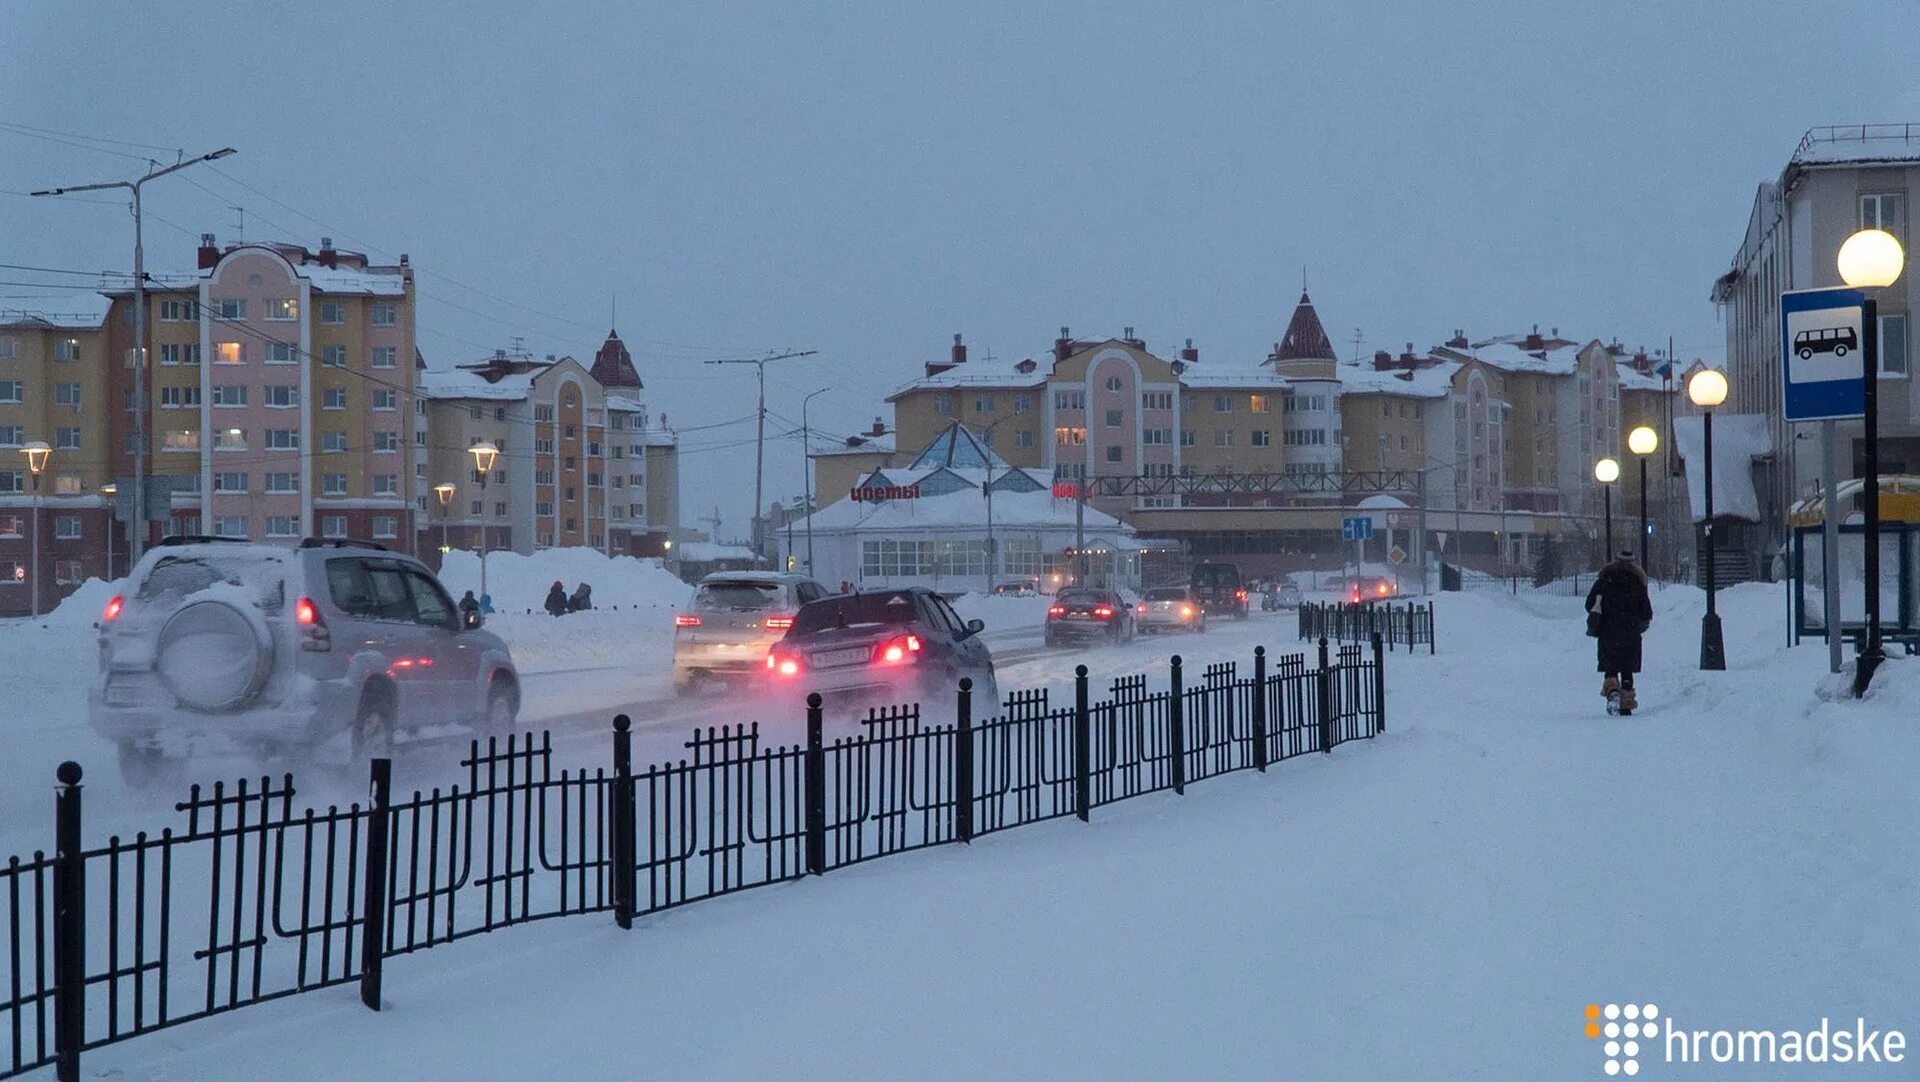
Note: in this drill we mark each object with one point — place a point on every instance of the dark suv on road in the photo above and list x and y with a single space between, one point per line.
897 645
1219 590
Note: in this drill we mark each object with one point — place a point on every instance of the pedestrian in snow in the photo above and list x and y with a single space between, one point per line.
486 604
581 600
1618 613
469 610
557 599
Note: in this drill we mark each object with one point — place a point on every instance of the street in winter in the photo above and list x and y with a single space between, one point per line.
748 542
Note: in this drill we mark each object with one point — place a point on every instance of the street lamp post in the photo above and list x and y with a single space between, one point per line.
1607 471
444 490
36 452
993 550
806 451
1643 442
483 455
1870 259
112 492
1707 389
137 522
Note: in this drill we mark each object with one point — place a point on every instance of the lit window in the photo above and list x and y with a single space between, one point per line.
227 353
281 311
180 439
229 439
66 349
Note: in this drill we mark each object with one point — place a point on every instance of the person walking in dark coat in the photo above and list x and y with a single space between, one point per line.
469 610
1618 613
557 599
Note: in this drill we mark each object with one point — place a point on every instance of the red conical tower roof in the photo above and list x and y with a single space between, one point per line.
613 365
1306 339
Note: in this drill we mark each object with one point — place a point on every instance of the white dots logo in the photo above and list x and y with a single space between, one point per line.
1622 1045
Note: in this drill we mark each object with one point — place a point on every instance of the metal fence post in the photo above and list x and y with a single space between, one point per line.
963 763
374 929
1082 741
1433 632
1379 688
1177 729
1259 720
816 789
625 822
69 926
1324 680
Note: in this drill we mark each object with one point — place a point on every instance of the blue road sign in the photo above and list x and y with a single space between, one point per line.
1359 528
1822 336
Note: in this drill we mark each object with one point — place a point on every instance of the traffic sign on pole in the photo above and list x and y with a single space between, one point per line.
1357 528
1822 332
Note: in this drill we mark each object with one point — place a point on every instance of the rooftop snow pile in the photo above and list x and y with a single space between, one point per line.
1738 439
521 582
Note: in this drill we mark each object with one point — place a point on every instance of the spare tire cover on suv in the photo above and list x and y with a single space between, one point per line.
214 654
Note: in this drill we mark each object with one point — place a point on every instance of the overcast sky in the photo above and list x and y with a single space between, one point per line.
866 181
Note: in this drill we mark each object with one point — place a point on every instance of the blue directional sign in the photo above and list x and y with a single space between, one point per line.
1358 528
1823 335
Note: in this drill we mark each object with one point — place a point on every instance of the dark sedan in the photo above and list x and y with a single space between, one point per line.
1083 615
891 645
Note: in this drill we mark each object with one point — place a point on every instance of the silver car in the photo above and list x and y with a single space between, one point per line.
267 648
736 616
1169 608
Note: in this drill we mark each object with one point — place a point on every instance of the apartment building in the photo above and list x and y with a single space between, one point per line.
1836 181
581 462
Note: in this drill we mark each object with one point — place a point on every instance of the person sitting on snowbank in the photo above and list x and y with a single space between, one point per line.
581 600
557 599
1618 613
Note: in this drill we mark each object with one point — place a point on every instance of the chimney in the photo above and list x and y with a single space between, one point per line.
328 257
1063 345
1136 343
1534 343
1407 360
1556 332
209 253
879 428
1459 339
1190 354
959 351
1382 360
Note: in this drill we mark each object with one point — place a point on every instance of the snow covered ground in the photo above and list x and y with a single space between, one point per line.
1436 904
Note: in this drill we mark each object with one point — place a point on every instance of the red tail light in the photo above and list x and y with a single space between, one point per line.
112 611
1104 612
313 628
776 623
784 664
1240 595
306 613
895 651
1384 588
1056 610
686 619
1140 609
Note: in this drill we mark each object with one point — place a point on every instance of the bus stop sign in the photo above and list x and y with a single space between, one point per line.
1822 332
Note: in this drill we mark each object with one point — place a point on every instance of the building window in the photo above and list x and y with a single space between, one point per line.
1023 438
230 526
543 477
385 400
1893 346
543 509
66 394
281 396
943 403
386 484
1222 403
10 391
386 527
1257 403
283 484
228 353
1188 438
283 439
1069 400
180 439
984 404
281 526
542 446
386 442
333 525
333 356
477 508
331 442
229 395
1262 437
333 484
229 482
333 313
542 413
383 357
1113 452
1022 403
333 398
66 527
1069 436
384 315
1882 210
280 353
1223 438
66 349
10 435
66 439
175 398
283 311
178 353
230 309
473 413
177 312
1113 418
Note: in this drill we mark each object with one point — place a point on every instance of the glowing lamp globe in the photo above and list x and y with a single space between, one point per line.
1707 388
1871 259
1643 441
1606 471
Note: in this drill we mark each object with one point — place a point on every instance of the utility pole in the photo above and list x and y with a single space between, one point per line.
137 522
760 439
806 464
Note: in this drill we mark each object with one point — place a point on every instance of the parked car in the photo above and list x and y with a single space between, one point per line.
1085 615
1370 588
269 648
1281 595
902 645
1219 590
1018 588
734 619
1170 608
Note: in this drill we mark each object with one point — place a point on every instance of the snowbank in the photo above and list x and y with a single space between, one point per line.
83 606
518 582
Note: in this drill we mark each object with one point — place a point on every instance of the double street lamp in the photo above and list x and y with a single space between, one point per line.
1871 259
1707 389
37 453
1643 442
1607 471
483 454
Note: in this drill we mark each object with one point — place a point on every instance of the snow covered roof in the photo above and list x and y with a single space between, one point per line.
868 445
335 280
1859 144
465 383
1242 379
1554 357
960 377
1738 439
1435 381
1382 501
62 311
1632 379
708 551
620 403
965 508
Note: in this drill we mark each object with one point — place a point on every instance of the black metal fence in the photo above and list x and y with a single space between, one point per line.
253 898
1409 625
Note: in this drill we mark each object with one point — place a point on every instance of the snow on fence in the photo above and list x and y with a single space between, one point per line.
1408 625
250 900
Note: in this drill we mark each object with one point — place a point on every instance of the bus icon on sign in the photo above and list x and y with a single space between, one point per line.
1838 341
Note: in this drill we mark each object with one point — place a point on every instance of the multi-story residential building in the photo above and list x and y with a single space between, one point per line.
53 390
280 394
581 461
1838 180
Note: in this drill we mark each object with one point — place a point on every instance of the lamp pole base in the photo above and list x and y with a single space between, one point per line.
1713 650
1864 665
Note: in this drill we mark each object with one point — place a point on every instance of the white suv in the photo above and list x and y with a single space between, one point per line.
273 648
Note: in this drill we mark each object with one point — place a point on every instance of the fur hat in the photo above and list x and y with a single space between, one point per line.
1625 556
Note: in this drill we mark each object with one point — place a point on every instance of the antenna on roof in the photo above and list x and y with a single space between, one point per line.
519 345
1303 277
240 230
613 317
1358 339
